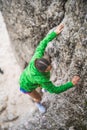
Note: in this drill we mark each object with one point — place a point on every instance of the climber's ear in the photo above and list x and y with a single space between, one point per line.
48 68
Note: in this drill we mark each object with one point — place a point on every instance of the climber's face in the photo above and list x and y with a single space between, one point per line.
48 68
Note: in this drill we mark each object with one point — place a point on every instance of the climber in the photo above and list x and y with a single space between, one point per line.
37 73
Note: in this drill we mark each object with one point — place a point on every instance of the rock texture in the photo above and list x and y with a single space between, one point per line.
28 22
11 100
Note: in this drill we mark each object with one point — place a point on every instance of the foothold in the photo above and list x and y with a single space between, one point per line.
1 71
61 129
84 42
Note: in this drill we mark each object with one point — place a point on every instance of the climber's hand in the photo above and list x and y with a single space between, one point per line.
59 28
75 80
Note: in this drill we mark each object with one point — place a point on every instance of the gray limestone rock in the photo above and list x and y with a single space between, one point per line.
10 116
3 102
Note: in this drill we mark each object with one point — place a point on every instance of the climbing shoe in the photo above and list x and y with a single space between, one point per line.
41 108
43 90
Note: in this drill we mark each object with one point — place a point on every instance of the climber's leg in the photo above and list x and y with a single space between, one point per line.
36 98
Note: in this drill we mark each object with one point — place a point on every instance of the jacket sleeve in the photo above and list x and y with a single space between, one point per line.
39 52
57 89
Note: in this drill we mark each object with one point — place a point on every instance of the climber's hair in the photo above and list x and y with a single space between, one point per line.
42 64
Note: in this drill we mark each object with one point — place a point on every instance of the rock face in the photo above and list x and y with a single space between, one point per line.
11 100
28 22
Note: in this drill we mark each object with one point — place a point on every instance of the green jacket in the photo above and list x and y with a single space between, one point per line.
31 77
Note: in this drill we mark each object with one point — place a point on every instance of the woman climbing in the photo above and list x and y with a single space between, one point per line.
38 73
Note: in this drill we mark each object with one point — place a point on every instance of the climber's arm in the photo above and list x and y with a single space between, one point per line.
59 89
39 52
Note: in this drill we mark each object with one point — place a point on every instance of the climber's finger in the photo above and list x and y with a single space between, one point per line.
75 80
59 28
